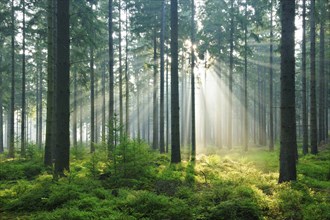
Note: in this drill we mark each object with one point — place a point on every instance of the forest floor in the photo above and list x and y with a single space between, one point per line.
143 185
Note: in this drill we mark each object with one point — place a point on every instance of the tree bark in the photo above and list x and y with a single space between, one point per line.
304 84
23 116
103 102
288 115
193 113
167 105
62 154
11 153
74 113
155 100
162 69
231 68
321 113
49 145
121 120
1 109
313 113
111 81
175 109
271 118
246 126
92 122
127 77
40 107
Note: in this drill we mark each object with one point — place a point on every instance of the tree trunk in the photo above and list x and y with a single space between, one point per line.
81 122
62 154
304 84
37 105
40 107
127 76
231 68
49 145
175 109
23 116
111 82
167 106
138 88
193 116
288 115
271 124
74 113
92 122
155 100
103 102
1 109
321 113
11 153
162 69
313 113
121 120
96 107
246 126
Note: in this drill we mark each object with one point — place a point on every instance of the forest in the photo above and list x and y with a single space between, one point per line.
164 109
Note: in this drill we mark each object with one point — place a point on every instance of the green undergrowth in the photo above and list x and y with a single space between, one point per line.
137 183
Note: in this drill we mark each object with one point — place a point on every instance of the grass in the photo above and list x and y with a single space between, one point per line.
228 185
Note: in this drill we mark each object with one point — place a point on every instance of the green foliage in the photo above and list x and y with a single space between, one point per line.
146 186
147 205
20 169
236 209
133 163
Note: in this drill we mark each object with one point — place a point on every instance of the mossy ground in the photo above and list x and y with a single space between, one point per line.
144 185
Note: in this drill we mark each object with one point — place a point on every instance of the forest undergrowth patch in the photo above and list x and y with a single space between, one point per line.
144 185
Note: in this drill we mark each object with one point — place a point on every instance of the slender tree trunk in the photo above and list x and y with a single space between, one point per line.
37 106
62 154
49 145
167 106
288 115
11 153
38 103
54 104
175 109
40 107
193 116
148 117
81 122
103 102
321 123
155 100
96 107
111 82
313 117
92 122
271 124
205 136
231 68
304 84
127 76
138 88
255 115
74 114
259 107
246 126
121 120
162 69
23 119
1 109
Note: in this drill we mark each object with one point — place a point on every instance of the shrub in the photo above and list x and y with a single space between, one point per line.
143 204
235 209
31 199
20 169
